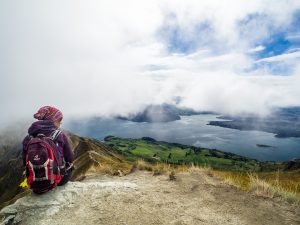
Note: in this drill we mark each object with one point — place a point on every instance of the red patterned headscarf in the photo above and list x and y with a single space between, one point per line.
49 113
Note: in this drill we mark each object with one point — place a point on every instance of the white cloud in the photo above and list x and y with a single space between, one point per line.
283 57
256 49
293 37
89 58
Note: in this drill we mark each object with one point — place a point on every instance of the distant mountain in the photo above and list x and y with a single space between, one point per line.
284 122
161 113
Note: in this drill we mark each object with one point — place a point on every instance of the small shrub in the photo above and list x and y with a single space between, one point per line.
172 176
142 165
261 187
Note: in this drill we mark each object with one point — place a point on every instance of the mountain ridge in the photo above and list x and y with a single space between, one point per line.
94 158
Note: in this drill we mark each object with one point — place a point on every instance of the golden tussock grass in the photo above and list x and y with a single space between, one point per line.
111 169
163 168
272 184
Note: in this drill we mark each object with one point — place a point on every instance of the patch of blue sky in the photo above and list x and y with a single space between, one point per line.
295 22
275 45
281 40
293 32
178 40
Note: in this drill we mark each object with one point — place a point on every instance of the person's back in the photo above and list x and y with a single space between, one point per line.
46 130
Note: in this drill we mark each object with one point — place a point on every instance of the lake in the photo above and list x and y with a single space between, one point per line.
193 130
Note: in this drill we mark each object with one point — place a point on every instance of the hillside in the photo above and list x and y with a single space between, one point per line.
177 154
117 156
108 186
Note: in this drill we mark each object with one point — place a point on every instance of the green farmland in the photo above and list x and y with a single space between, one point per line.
154 151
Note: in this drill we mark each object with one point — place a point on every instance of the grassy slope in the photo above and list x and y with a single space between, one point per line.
268 179
266 184
156 151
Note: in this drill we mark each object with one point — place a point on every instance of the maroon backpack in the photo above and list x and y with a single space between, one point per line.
45 167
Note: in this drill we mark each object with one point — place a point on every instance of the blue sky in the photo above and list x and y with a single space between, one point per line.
278 41
116 57
175 39
283 41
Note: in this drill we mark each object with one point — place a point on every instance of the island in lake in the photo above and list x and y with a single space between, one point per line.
285 122
161 113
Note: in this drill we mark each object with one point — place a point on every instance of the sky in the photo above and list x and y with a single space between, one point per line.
108 57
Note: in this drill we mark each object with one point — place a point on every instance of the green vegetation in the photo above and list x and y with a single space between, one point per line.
154 151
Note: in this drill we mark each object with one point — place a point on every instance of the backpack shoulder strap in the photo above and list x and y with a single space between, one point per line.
55 134
54 144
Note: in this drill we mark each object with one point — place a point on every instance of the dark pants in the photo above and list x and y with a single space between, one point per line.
66 178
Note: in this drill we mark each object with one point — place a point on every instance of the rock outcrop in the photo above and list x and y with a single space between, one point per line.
33 208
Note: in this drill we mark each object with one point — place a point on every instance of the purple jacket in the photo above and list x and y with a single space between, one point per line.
46 127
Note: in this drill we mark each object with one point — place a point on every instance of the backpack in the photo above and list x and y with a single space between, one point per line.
45 167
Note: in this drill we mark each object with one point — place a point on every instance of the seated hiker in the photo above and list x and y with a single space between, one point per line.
47 153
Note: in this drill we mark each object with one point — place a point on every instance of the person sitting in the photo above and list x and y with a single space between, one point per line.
47 152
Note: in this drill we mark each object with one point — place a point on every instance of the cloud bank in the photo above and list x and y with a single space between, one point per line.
115 57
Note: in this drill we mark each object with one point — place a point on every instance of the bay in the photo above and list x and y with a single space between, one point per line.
193 130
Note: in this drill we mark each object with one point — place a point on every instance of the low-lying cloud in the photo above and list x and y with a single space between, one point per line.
109 58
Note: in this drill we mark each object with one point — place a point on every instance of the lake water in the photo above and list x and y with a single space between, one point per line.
193 130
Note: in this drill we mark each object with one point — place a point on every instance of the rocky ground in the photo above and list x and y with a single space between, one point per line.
141 198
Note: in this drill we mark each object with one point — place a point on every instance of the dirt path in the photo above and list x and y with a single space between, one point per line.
140 198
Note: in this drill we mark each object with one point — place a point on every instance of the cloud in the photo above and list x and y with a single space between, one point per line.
257 49
115 57
283 57
293 37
